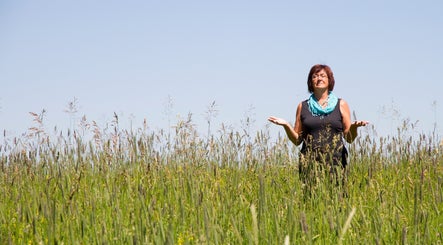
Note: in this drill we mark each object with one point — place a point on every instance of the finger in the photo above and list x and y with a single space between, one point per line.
362 123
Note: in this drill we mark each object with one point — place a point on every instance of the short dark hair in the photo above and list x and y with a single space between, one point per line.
317 68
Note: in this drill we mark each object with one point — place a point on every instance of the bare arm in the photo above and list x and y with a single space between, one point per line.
349 129
292 132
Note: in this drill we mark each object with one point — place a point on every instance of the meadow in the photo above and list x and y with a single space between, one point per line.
93 185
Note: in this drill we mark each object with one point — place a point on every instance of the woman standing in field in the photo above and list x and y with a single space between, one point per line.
322 123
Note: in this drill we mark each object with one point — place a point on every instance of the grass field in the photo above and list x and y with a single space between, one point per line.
111 186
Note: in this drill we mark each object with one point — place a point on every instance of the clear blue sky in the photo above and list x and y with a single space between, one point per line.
250 57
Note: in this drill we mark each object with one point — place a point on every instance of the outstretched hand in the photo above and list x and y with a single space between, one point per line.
290 131
350 137
358 124
278 121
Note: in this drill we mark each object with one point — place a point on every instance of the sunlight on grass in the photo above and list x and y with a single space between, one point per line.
94 185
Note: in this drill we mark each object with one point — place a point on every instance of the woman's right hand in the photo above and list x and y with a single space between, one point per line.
290 131
277 120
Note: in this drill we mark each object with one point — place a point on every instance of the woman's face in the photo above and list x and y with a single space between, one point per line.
320 80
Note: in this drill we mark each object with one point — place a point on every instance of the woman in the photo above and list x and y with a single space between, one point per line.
322 123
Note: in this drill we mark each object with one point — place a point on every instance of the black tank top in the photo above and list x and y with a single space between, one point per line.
323 136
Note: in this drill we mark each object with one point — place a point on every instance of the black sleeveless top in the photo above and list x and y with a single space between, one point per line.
323 136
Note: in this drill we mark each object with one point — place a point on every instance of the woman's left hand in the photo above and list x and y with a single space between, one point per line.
357 124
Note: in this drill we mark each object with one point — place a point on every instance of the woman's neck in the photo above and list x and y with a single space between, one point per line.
321 95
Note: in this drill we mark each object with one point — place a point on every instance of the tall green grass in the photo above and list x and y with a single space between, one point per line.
113 186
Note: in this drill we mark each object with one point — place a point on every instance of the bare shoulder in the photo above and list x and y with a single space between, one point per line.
344 107
299 106
298 111
343 104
